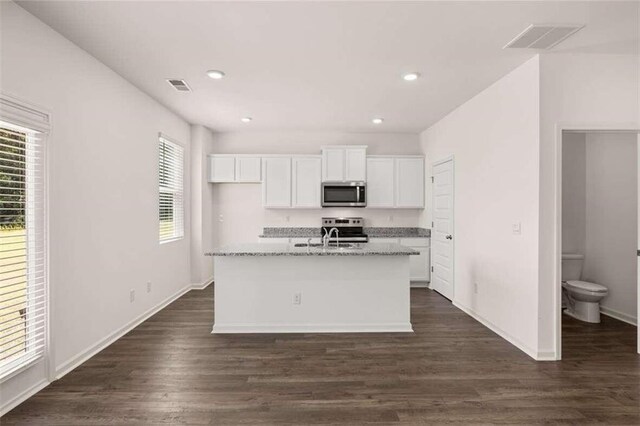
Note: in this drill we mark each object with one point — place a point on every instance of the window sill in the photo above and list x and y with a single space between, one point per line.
20 367
170 240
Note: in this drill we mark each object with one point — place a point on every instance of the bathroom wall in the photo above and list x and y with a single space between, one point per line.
599 213
574 180
611 220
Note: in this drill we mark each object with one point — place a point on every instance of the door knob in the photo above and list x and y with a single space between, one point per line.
449 237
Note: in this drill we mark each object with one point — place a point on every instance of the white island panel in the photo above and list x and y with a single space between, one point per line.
257 294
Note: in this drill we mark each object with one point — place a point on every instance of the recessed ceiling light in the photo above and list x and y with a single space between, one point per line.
411 76
215 74
246 119
377 120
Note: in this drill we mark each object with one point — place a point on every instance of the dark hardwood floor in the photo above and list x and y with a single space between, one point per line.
171 370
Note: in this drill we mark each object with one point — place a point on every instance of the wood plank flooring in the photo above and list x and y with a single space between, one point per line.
171 370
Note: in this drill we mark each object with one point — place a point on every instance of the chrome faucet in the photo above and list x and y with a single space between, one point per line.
327 237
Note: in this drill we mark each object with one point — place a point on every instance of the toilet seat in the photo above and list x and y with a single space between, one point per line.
586 286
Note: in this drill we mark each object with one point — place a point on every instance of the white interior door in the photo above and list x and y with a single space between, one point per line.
442 237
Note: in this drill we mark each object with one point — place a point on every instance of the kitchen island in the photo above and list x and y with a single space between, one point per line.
287 288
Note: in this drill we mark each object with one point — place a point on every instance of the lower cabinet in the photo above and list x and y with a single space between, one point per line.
419 264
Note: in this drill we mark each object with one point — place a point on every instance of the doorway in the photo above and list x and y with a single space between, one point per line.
598 240
442 229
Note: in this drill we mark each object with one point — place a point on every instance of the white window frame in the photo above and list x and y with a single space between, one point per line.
178 190
35 118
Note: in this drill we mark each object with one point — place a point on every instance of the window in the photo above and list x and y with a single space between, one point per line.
171 194
23 290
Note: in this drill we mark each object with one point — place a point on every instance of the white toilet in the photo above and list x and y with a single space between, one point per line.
584 297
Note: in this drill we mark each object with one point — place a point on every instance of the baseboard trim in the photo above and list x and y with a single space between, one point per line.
76 361
19 399
312 328
506 336
629 319
202 285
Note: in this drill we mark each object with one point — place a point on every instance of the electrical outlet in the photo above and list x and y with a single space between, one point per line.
475 288
287 218
148 286
132 296
297 298
220 218
390 218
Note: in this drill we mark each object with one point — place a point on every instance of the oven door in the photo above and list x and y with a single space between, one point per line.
343 194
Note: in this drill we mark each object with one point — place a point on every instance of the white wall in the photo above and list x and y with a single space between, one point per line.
584 91
202 222
494 138
611 220
574 180
241 204
103 188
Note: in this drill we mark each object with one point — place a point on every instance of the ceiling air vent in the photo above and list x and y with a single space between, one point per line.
542 36
179 85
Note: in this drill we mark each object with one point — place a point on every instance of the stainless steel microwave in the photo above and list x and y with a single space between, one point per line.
344 194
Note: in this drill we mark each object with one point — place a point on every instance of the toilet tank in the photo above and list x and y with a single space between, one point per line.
571 266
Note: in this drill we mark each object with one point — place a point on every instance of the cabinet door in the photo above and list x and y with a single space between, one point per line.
380 178
419 265
222 168
306 181
333 164
356 164
248 169
409 182
276 182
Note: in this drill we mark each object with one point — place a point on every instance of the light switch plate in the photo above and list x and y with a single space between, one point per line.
516 228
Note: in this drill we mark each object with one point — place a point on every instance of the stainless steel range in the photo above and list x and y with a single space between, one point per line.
344 230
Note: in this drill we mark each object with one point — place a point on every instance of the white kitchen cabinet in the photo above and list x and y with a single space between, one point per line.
234 168
222 168
344 163
333 164
276 182
307 177
409 182
380 182
355 164
419 265
248 169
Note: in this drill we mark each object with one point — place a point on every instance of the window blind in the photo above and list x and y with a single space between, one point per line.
23 290
171 190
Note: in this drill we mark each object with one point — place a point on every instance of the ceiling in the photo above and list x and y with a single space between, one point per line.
330 66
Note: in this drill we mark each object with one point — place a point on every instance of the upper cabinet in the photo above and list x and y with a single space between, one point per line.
248 169
276 182
380 182
395 182
344 163
234 168
294 181
409 182
306 183
356 164
222 168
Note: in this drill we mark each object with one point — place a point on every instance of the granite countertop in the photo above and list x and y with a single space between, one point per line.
280 249
373 232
